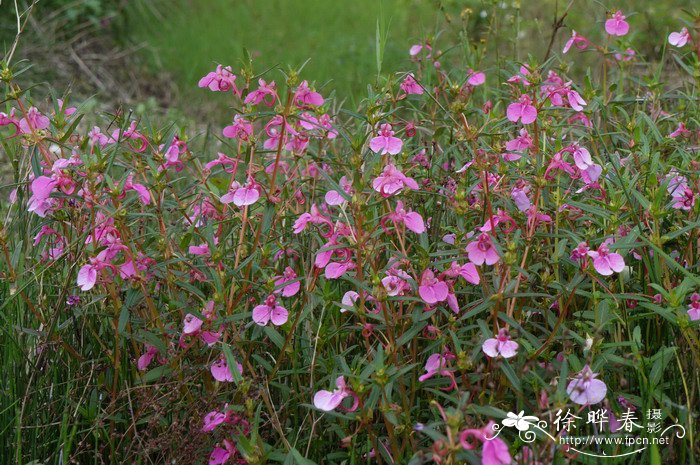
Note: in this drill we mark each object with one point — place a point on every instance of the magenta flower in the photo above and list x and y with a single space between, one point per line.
221 371
585 389
576 102
40 202
411 86
482 251
417 48
392 181
191 324
131 134
495 452
337 269
694 307
467 271
684 200
270 311
679 39
212 420
431 289
266 93
395 282
221 80
437 364
617 26
240 129
348 300
34 121
522 110
680 131
522 143
335 198
220 455
304 96
328 401
582 157
385 142
606 262
87 277
242 195
500 345
314 217
576 39
410 219
146 358
475 78
289 276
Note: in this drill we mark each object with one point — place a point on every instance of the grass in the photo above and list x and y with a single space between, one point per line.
337 38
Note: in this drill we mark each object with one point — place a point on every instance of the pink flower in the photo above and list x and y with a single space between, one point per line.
191 324
679 39
221 80
201 250
87 277
495 452
304 96
585 389
335 198
416 49
410 86
221 372
266 93
467 271
34 121
694 307
522 110
681 130
684 200
431 289
475 78
500 345
220 455
582 157
212 420
617 26
522 201
437 364
385 142
392 181
41 188
410 219
337 269
229 164
576 39
627 55
482 251
328 401
242 195
270 311
522 143
131 134
576 102
141 190
313 217
606 262
68 111
395 282
146 358
348 300
289 276
240 129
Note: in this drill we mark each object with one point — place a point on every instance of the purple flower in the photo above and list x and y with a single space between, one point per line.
585 389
